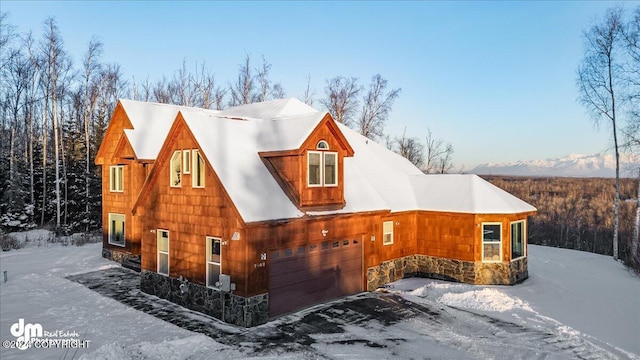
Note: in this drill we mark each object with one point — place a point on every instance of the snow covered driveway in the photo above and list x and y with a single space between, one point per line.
74 289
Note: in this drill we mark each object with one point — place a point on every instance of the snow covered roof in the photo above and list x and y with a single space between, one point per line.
270 109
151 124
375 178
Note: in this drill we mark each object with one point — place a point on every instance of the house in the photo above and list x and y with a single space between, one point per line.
258 210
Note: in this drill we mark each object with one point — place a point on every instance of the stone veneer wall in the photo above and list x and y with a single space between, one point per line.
115 255
230 308
447 269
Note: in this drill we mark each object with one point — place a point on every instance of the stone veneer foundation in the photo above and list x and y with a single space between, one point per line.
115 255
230 308
469 272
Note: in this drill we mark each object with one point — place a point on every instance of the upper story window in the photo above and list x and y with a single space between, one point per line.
116 178
176 168
197 176
322 166
491 242
186 161
387 233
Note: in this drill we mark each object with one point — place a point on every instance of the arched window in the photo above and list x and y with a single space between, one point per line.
322 145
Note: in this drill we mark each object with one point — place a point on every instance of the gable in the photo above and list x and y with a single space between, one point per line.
123 150
117 124
328 131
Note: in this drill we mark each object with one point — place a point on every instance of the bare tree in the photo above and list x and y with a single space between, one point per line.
376 107
597 83
439 155
341 98
90 86
308 95
410 148
242 91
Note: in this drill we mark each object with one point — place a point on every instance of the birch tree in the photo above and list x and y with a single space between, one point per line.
376 106
342 98
598 86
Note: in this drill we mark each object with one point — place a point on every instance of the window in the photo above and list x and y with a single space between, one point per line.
322 145
322 168
387 233
491 242
330 169
116 178
197 178
213 261
176 168
517 239
186 161
116 229
163 252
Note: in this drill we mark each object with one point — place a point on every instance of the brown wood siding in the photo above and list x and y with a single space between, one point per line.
319 196
446 235
134 176
190 215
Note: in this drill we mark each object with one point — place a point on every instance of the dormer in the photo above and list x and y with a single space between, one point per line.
312 175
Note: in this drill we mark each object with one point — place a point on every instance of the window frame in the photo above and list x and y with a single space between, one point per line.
162 252
523 233
186 161
116 178
196 174
385 232
499 243
175 178
210 241
322 170
110 220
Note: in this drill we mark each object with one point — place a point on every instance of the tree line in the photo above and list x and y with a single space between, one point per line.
576 213
53 115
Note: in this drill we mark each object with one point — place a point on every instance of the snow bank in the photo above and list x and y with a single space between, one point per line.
485 299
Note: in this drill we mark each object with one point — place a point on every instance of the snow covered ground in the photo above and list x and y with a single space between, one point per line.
574 305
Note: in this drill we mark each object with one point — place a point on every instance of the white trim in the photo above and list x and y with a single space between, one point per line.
335 178
158 232
384 241
320 172
209 243
124 240
195 174
524 239
186 161
116 172
173 167
482 242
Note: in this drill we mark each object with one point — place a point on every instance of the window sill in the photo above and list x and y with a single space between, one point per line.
518 258
116 244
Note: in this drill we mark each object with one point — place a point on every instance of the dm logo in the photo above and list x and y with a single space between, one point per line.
25 332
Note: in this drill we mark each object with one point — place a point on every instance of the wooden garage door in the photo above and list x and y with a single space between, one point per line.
308 275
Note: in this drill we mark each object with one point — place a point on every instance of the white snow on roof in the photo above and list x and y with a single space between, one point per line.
151 124
270 109
375 178
232 147
465 194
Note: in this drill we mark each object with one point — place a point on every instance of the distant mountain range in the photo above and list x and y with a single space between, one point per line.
574 165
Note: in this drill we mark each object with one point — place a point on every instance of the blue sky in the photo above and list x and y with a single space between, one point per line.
496 79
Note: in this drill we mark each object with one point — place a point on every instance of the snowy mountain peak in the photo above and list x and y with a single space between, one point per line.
572 165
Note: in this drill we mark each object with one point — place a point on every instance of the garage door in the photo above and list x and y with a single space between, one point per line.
308 275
